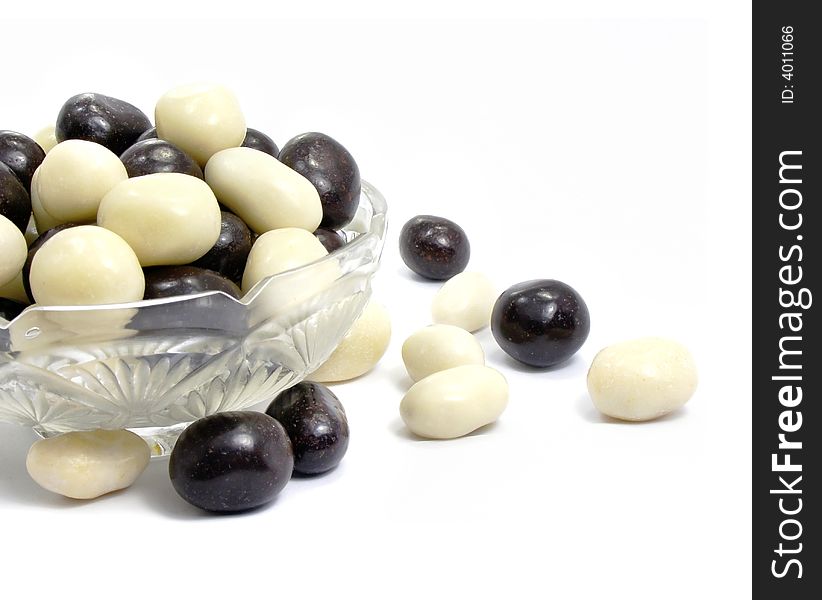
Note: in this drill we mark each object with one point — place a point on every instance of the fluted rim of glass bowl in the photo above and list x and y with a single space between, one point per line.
373 233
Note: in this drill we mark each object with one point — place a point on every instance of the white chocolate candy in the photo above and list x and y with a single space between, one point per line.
200 119
361 348
13 251
466 300
88 464
262 191
31 230
454 402
440 347
280 250
46 137
86 265
14 290
74 177
167 218
642 379
42 219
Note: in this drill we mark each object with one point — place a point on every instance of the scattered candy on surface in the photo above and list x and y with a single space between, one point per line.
453 403
642 379
466 300
86 265
331 170
440 347
361 348
315 421
167 218
231 461
541 323
433 247
88 464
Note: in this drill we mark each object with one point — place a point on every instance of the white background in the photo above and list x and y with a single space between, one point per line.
611 152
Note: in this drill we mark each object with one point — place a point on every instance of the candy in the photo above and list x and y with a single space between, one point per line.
260 141
440 347
541 323
280 250
167 218
73 178
15 291
330 239
642 379
316 423
86 265
21 154
35 246
231 461
230 252
164 282
332 171
148 134
13 250
88 464
454 402
361 348
15 204
158 156
46 138
433 247
262 191
200 119
107 121
465 300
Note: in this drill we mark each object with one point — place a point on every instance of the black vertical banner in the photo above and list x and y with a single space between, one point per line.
787 362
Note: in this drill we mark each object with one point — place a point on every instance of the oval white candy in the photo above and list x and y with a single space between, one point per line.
86 265
455 402
13 250
88 464
262 191
14 290
46 137
42 219
440 347
74 177
167 218
642 379
361 348
280 250
201 119
466 300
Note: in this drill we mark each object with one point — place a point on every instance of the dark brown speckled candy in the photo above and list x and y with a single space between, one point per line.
541 323
15 203
21 154
164 282
158 156
229 254
260 141
231 461
148 134
315 421
108 121
434 247
332 240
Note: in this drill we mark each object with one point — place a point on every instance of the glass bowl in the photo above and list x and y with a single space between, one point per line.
156 365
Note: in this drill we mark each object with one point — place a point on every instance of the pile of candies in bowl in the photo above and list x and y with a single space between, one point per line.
155 275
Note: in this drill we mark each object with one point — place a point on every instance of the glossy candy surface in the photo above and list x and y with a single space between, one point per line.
148 134
21 154
158 156
316 423
541 323
15 203
231 461
330 239
164 282
34 247
13 250
434 247
260 141
108 121
230 253
332 171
